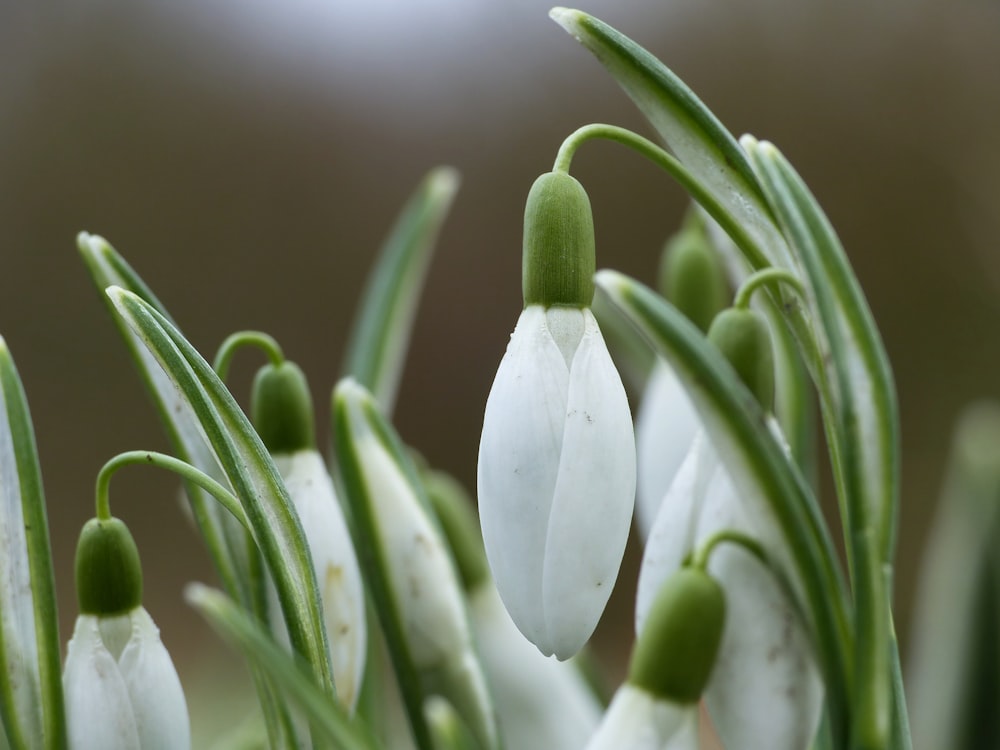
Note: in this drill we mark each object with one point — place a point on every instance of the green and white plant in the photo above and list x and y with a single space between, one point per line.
369 609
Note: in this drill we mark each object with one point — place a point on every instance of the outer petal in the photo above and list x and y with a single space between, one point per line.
672 536
765 692
638 721
541 703
336 565
594 497
518 465
98 709
665 428
161 715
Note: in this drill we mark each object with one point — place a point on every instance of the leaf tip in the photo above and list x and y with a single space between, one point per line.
610 281
444 181
568 18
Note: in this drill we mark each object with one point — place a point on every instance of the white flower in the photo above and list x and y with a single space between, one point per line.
638 720
541 703
556 477
337 573
121 688
665 427
765 692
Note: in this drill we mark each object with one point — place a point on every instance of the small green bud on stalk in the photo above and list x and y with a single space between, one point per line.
676 651
691 277
743 337
559 249
281 408
108 573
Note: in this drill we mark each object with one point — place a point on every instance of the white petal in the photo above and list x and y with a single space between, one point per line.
336 565
161 715
541 703
637 721
98 709
672 536
765 692
665 427
593 501
518 465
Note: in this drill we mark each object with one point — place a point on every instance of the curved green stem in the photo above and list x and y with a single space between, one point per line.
751 545
766 276
226 498
228 348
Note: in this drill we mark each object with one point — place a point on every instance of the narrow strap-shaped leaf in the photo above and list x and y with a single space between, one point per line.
250 471
373 557
31 698
696 137
864 409
768 481
225 541
382 331
332 727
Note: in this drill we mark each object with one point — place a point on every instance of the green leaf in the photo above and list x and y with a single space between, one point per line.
230 547
690 131
225 540
250 471
860 401
769 483
331 725
381 334
31 698
410 573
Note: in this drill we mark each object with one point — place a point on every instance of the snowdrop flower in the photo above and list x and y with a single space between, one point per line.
282 414
121 688
657 707
556 472
766 691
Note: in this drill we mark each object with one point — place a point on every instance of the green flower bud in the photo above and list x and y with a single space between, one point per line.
692 278
558 262
676 650
743 336
281 408
108 573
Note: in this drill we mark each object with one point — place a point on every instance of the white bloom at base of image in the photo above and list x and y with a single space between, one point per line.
665 427
121 688
556 477
638 720
337 572
765 692
541 703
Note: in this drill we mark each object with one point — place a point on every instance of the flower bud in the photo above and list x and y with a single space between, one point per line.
691 277
676 651
559 256
281 408
743 337
108 573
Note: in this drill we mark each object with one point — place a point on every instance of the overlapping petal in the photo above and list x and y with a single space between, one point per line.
765 691
556 477
337 572
638 720
665 427
121 688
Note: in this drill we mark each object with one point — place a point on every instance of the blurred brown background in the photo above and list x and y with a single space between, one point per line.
248 157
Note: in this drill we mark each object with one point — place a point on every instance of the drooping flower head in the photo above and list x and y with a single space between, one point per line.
556 473
282 414
121 688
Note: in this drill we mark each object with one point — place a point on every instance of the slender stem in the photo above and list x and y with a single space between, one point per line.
765 276
751 545
226 498
228 348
